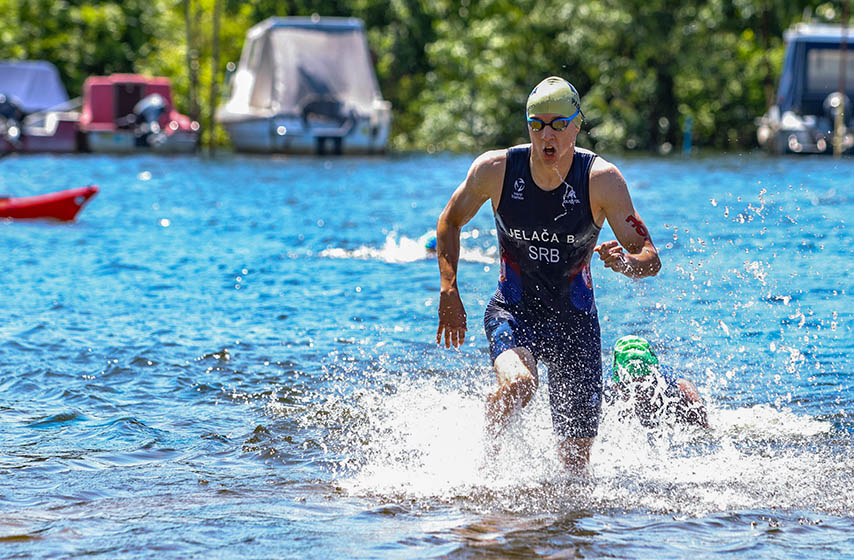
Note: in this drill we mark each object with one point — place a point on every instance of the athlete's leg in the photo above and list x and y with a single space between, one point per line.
575 389
510 344
516 370
575 454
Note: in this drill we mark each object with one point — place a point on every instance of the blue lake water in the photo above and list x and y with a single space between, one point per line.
235 358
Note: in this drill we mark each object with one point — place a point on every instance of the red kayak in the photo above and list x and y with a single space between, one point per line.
60 205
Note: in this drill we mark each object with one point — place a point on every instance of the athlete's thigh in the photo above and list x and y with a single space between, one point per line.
575 379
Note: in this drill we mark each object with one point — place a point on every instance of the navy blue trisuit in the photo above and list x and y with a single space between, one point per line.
544 300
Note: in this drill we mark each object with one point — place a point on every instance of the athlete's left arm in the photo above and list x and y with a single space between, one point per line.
691 407
633 253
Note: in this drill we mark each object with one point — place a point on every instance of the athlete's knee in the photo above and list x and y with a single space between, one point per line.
516 359
524 389
516 369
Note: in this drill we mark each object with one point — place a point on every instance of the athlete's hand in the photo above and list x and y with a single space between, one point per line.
613 256
452 320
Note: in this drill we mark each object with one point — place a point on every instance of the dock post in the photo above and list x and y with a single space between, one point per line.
687 135
839 128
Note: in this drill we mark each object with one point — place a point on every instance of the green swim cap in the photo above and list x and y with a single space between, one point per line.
633 358
555 95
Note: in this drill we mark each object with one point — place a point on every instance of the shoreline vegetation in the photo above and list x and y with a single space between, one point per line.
458 72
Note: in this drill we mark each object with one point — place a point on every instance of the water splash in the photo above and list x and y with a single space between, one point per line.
425 441
407 250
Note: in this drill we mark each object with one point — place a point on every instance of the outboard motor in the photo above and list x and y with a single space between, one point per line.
11 116
144 120
329 120
834 103
10 110
148 111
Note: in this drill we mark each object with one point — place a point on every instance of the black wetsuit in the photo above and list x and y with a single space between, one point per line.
544 300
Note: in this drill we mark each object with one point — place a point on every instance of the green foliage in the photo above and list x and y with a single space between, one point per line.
458 72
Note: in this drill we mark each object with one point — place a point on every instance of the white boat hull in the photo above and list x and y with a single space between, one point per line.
290 135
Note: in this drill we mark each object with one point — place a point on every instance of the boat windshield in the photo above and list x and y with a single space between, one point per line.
823 66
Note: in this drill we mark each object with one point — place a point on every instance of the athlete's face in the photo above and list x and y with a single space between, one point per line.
549 146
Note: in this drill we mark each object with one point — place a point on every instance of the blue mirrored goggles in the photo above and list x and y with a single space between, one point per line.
557 124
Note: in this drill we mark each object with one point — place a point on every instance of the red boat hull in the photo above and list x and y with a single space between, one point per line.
61 205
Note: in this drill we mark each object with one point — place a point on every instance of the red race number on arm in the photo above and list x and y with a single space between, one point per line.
639 227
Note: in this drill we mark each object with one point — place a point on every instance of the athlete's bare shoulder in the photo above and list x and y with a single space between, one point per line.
486 174
588 152
607 189
605 178
489 164
601 166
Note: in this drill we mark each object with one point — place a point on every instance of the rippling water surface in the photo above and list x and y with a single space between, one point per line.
235 358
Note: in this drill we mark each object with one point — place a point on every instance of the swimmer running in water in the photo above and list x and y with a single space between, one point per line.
656 393
550 200
430 242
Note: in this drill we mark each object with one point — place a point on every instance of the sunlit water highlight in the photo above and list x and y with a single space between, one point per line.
235 357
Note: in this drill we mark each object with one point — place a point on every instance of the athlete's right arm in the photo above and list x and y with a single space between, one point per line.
482 183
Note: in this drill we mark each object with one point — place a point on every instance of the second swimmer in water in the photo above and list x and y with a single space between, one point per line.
655 393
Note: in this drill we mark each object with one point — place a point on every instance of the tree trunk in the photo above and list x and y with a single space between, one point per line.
767 80
190 25
663 121
214 93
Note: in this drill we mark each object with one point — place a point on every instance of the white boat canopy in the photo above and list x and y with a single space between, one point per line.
288 64
306 85
34 85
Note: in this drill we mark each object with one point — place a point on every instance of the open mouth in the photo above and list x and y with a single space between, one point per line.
549 150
